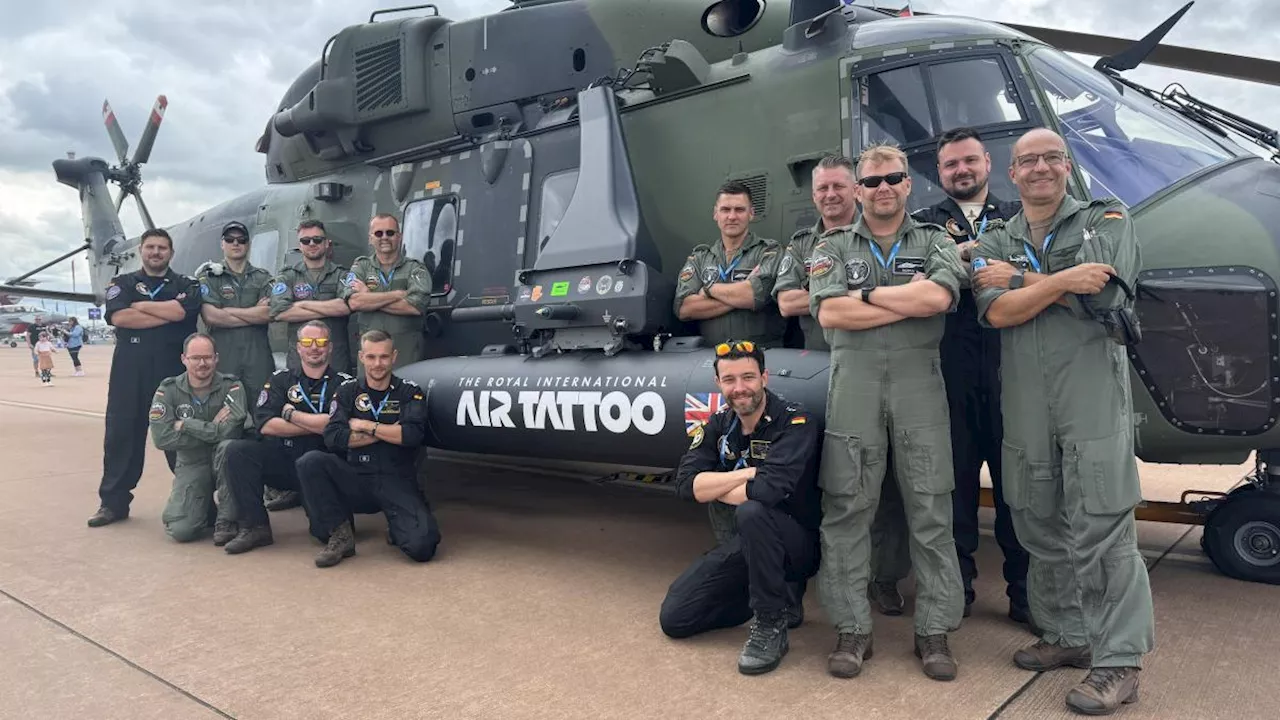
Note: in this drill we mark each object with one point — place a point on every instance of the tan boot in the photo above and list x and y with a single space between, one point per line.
1104 689
342 544
1044 656
851 651
224 531
936 657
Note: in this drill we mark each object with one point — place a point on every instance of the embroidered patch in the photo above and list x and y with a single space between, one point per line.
184 411
786 264
204 290
158 412
294 394
799 420
279 289
856 271
362 402
142 289
820 265
113 292
708 275
262 398
302 291
1113 215
686 273
955 231
228 292
908 265
698 434
349 279
760 449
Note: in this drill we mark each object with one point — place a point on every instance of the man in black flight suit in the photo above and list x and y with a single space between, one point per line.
762 457
376 425
971 367
153 310
290 413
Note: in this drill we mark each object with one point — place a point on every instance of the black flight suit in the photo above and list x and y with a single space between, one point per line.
381 477
141 359
776 542
971 371
271 460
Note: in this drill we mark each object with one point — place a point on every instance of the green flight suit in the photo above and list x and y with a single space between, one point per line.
298 283
405 330
756 262
886 387
200 446
1070 476
890 543
243 352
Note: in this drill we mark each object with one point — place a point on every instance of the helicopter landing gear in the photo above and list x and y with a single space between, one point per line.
1242 532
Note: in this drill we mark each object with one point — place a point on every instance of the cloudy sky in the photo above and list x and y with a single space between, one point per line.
225 64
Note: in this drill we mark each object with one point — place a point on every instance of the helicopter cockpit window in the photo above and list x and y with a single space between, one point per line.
557 191
430 235
263 247
1127 146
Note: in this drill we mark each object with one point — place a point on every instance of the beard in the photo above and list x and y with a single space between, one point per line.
747 403
967 193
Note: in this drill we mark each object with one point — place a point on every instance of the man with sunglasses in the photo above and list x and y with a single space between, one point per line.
290 414
312 292
836 200
389 291
1071 479
971 367
757 456
882 288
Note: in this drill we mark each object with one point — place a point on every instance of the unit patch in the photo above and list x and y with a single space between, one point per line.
686 273
349 279
820 265
362 402
228 292
279 289
1019 260
204 290
908 265
184 411
294 394
262 398
698 433
113 292
708 275
759 449
785 265
302 291
158 412
856 271
1113 215
142 289
955 231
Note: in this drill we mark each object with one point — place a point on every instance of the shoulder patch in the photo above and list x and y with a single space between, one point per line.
799 420
1113 215
820 265
158 412
279 289
785 265
113 292
698 433
262 397
346 377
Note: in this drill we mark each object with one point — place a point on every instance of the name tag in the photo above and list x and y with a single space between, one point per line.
759 449
908 265
740 275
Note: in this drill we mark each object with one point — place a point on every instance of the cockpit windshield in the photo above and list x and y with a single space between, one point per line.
1127 146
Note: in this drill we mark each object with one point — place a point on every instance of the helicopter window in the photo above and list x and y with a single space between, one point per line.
1127 146
263 247
557 191
430 235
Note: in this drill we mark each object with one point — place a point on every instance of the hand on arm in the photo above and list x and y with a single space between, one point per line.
1018 306
701 307
793 303
851 313
219 317
709 486
919 298
133 319
739 295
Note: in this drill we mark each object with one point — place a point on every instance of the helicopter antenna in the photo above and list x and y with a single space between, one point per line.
1133 56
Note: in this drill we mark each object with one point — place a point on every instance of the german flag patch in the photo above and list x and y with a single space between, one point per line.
799 420
1113 215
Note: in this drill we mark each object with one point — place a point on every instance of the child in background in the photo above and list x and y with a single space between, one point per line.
44 350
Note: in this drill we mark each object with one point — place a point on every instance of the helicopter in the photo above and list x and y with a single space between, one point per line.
554 162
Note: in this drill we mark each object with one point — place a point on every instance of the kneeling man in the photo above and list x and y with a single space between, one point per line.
376 425
762 457
290 414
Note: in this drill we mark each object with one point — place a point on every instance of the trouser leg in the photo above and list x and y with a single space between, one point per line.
123 449
331 492
75 356
776 548
890 543
712 593
967 462
412 525
251 464
186 514
1040 521
225 499
1016 560
723 524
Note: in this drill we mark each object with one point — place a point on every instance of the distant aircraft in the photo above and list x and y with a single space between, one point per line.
16 318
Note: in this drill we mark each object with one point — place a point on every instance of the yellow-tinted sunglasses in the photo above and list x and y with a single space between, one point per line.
745 346
308 342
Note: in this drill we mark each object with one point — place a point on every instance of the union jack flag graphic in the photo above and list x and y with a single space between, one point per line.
698 409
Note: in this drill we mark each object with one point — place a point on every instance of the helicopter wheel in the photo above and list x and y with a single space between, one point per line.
1242 536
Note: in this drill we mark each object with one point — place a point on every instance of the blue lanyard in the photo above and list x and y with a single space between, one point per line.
724 447
983 227
1031 256
893 253
306 397
198 401
725 273
377 413
386 279
152 293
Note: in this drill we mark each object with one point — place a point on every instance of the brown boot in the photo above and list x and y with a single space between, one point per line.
224 531
249 538
851 651
1103 690
342 544
936 657
1044 656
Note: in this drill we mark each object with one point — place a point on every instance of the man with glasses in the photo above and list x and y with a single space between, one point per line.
312 292
388 291
290 414
757 455
881 288
196 414
152 309
236 296
971 367
1056 285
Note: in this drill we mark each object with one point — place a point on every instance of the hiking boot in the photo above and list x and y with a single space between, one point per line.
106 516
885 596
852 649
274 499
765 647
1043 656
936 657
249 538
1103 690
224 531
342 544
794 615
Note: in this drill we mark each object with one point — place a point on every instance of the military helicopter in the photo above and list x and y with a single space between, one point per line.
554 163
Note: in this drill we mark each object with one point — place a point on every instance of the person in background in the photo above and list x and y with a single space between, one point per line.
75 341
44 354
33 336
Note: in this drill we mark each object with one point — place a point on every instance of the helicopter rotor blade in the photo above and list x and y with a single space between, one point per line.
143 152
114 132
120 200
142 210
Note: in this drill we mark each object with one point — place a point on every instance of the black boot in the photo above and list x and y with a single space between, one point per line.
342 544
766 645
106 516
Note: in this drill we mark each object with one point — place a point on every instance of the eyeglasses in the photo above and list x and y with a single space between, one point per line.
873 181
385 233
201 358
235 239
311 240
726 347
1053 158
308 342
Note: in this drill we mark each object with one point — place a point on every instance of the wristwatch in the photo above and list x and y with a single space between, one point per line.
706 290
288 412
1017 280
866 294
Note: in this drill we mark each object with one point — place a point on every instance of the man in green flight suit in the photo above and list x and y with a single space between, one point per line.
728 286
1053 273
881 289
197 414
235 296
835 197
388 291
309 291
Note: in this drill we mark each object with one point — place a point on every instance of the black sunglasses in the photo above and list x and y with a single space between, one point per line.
873 181
385 233
311 240
240 239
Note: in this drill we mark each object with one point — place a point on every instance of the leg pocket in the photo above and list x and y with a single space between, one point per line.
927 459
845 466
1027 486
1107 473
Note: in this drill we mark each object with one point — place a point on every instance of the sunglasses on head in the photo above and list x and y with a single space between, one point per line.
385 233
311 240
873 181
308 342
235 239
725 348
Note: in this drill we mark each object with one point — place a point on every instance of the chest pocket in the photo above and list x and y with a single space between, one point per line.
1063 250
